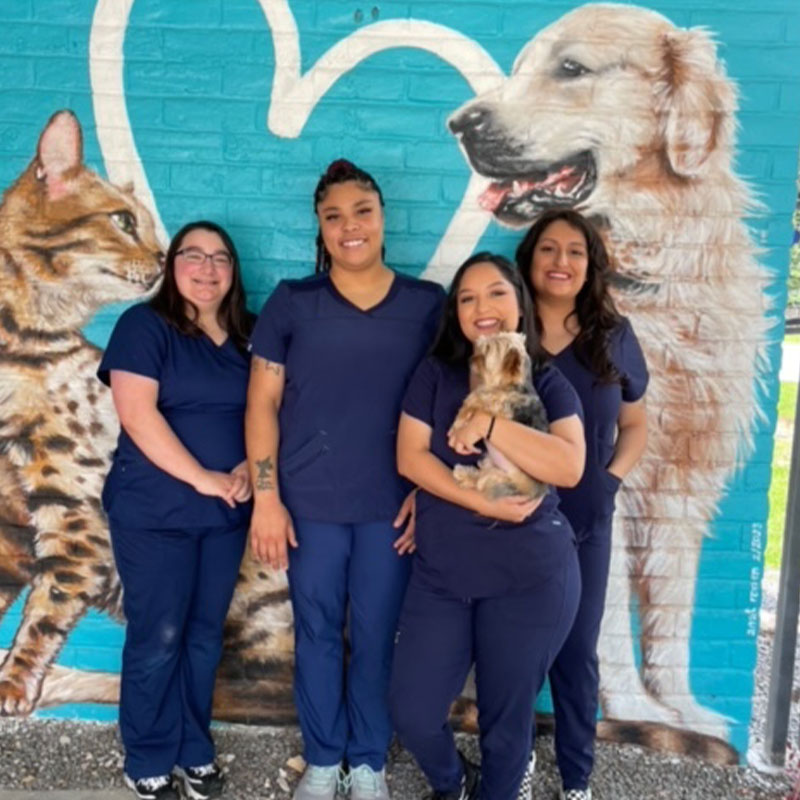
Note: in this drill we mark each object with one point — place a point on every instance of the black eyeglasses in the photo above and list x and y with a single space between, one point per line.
196 257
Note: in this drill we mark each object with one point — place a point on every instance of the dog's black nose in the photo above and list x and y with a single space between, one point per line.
471 119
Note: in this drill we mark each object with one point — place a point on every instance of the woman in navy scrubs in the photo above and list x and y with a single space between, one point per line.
177 499
332 354
494 583
564 263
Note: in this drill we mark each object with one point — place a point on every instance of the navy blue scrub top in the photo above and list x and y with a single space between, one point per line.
346 371
592 500
202 393
465 554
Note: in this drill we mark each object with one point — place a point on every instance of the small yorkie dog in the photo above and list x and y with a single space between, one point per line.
501 374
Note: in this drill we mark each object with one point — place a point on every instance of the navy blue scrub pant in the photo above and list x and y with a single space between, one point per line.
338 574
574 676
512 640
177 588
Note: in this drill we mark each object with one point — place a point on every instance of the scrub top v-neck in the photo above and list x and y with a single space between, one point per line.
593 498
346 372
202 394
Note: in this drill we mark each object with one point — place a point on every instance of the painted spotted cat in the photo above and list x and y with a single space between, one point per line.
70 242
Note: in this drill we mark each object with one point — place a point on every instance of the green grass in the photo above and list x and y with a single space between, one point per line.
779 486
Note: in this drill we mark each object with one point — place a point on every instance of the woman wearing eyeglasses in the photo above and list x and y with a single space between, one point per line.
178 503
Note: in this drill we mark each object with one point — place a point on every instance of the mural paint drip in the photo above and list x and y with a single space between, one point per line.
612 110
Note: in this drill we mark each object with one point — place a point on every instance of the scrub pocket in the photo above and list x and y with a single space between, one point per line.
608 492
305 455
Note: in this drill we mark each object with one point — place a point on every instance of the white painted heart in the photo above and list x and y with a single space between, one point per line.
294 97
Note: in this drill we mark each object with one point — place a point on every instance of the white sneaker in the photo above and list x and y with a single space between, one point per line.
317 783
365 783
526 787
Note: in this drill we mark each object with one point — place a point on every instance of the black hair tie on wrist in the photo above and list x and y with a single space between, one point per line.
489 432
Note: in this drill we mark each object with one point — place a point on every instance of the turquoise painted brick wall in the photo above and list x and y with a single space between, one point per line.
198 86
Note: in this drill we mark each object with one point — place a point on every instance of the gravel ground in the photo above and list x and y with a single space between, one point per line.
46 754
49 754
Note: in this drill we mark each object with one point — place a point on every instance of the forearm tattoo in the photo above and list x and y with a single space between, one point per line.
265 480
270 366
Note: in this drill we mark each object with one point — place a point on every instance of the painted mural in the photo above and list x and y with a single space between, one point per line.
613 110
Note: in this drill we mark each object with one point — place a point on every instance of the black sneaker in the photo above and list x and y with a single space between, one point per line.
200 783
470 784
159 787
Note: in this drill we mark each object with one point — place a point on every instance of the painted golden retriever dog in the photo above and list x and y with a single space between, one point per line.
616 112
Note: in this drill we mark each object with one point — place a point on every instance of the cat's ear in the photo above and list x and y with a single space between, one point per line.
60 153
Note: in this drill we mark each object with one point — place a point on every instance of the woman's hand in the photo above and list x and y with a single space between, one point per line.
271 533
216 484
509 509
408 511
244 488
463 438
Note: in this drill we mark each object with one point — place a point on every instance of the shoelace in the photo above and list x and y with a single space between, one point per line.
320 777
151 784
365 779
204 771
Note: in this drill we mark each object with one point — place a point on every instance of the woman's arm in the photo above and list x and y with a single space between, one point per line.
557 457
416 462
631 438
271 527
135 399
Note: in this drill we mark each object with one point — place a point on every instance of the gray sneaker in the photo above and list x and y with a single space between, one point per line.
366 784
317 783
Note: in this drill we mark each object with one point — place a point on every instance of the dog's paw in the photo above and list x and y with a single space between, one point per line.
465 476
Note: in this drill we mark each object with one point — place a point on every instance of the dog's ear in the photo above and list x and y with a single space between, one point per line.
478 363
512 363
697 100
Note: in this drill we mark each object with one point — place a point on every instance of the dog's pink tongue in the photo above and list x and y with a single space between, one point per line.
493 196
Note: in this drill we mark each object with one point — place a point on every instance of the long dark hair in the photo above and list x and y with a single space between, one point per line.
594 307
340 171
450 344
182 314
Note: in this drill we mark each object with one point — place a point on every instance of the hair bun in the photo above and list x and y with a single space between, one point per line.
339 167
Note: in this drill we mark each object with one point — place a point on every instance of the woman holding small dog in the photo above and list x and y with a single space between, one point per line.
495 582
564 263
332 354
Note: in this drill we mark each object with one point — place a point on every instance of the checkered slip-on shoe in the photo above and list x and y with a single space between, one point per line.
575 794
526 787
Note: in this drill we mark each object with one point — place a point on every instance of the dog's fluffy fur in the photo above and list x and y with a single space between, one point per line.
618 113
500 370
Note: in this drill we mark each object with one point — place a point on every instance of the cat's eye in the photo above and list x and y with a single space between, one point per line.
125 221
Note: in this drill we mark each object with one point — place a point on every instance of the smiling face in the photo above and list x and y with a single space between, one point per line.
204 284
486 302
560 262
351 222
